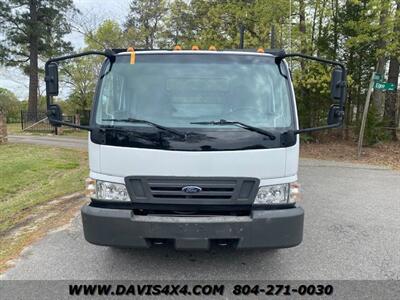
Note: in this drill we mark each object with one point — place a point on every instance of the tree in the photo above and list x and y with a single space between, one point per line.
179 25
144 22
394 70
107 36
33 30
9 104
378 96
80 76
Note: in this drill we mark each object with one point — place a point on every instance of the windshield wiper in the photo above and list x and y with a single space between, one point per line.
239 124
132 120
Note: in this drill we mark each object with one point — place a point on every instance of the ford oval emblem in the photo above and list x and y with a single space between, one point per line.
191 189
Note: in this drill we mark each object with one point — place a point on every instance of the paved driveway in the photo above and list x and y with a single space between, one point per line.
57 141
352 228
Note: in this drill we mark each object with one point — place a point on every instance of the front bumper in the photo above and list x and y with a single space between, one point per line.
262 229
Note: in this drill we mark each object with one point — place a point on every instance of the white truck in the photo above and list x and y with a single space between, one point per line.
194 148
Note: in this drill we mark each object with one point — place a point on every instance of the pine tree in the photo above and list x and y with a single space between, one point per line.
33 30
144 22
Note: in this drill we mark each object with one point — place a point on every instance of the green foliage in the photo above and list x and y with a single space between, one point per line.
312 94
178 26
144 22
107 36
43 23
33 30
10 105
81 76
373 129
359 33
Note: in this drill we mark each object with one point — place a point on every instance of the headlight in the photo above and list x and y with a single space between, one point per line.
104 190
278 194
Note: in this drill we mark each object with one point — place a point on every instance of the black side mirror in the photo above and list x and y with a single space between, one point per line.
337 84
335 115
54 113
51 78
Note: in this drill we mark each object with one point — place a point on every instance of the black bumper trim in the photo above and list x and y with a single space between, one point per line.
262 229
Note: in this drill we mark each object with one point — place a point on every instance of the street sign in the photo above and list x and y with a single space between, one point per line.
385 86
378 77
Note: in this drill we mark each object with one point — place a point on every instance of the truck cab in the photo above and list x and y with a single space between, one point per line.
194 149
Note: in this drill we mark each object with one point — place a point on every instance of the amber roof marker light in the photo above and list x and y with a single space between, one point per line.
177 48
133 55
212 48
260 50
195 47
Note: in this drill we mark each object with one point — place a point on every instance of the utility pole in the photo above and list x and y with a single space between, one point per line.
365 115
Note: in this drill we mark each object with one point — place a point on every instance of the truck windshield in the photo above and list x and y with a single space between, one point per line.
179 89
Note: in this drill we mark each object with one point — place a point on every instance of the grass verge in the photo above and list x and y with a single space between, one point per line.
31 176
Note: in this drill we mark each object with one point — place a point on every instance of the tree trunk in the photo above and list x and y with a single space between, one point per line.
335 10
302 26
302 29
320 20
316 10
378 97
33 63
391 97
394 69
273 37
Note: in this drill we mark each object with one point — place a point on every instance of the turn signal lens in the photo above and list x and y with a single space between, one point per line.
90 190
295 193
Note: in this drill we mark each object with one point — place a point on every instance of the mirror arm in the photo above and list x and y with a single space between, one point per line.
278 60
305 130
107 53
88 128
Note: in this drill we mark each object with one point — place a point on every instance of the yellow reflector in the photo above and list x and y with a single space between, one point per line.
260 50
177 48
133 58
212 48
195 47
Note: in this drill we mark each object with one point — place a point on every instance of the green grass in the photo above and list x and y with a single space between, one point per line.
15 128
32 175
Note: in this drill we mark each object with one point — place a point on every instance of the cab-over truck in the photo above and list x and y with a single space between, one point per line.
194 148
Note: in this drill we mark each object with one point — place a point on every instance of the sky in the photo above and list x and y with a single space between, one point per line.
95 10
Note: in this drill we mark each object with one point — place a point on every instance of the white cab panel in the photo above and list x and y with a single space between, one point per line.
124 161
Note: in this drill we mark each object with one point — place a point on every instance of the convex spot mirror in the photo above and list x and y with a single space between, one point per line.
51 78
337 84
54 113
335 115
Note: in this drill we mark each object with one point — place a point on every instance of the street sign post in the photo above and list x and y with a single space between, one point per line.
375 83
384 86
378 77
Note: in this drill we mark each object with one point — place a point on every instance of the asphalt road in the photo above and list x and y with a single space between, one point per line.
57 141
352 226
